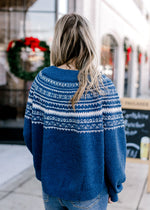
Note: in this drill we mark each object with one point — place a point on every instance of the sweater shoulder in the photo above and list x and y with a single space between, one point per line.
46 71
107 86
110 97
107 82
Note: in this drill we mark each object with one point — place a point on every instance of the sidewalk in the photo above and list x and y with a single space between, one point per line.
21 191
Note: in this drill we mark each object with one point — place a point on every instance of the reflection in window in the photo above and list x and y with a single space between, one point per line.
20 19
11 26
43 5
108 56
4 28
40 25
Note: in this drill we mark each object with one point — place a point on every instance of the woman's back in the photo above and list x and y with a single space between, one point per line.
74 125
75 152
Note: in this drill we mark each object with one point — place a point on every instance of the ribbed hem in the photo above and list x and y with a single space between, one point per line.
74 195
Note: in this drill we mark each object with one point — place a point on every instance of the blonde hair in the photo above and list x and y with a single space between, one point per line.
73 43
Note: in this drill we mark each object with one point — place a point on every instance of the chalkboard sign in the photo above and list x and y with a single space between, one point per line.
137 126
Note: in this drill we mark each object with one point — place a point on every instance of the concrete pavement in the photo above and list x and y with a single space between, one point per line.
13 160
19 189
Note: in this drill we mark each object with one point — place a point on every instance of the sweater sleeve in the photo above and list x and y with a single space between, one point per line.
33 125
114 141
27 130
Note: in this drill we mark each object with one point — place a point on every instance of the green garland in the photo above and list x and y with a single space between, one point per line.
13 56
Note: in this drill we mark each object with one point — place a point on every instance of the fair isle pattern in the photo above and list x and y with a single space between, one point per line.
48 105
88 143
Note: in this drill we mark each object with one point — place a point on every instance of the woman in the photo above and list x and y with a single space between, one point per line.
74 125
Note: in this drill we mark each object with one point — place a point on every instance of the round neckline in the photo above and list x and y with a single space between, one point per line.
74 70
59 74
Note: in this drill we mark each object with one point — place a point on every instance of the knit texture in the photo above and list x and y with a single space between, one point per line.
75 152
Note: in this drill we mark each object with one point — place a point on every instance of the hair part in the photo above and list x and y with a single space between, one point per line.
73 43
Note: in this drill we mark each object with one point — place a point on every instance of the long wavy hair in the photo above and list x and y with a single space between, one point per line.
73 44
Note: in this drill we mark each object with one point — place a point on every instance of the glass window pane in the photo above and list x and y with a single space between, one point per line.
3 68
108 56
40 5
16 20
62 6
11 26
40 25
3 25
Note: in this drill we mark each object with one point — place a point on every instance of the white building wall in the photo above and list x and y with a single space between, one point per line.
121 19
91 10
126 19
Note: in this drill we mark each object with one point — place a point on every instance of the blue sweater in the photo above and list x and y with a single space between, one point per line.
75 152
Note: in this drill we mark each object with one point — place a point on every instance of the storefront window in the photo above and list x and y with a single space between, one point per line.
109 56
20 19
40 25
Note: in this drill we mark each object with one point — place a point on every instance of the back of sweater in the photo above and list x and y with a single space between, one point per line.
75 153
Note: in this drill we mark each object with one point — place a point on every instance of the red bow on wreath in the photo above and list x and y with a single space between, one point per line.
33 43
9 45
29 41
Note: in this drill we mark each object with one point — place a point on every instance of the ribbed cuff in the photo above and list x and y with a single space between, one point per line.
114 197
113 194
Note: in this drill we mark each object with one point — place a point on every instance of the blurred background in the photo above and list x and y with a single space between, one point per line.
122 34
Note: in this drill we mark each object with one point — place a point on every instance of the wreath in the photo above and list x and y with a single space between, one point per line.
14 50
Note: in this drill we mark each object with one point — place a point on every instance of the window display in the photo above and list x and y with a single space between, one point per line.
20 19
109 56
